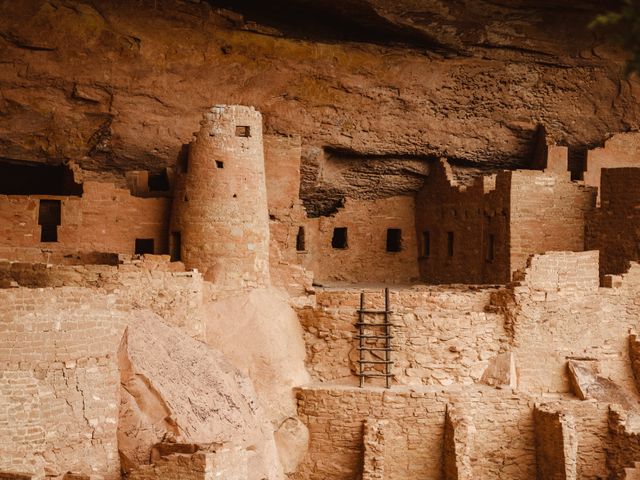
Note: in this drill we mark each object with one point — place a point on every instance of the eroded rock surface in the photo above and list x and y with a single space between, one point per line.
118 85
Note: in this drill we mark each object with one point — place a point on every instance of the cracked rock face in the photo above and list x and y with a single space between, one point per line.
118 85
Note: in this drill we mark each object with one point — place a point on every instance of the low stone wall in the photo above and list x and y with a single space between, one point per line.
556 444
624 451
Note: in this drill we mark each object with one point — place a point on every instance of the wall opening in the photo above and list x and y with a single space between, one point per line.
491 248
243 131
29 178
426 244
450 240
175 246
183 158
159 182
339 239
394 239
219 164
144 245
49 217
300 240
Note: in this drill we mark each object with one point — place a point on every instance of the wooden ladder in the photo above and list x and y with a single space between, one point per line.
374 337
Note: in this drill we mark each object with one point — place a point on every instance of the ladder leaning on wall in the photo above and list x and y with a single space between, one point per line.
374 342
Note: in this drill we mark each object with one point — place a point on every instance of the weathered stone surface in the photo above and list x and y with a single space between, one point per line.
120 85
586 383
501 371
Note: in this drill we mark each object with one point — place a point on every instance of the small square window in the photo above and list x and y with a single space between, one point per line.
394 240
144 245
219 164
243 131
339 239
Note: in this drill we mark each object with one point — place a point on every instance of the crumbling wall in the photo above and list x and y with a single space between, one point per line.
548 212
624 450
105 219
621 150
442 336
365 258
614 228
463 230
414 436
556 444
559 313
59 382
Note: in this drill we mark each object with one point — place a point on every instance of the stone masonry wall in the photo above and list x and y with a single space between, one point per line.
414 436
463 223
548 212
624 451
151 282
442 335
104 219
614 228
556 444
220 202
365 258
59 382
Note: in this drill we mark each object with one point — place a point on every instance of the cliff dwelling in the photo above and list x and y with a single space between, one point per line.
294 240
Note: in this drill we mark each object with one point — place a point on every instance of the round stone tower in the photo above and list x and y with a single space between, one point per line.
220 220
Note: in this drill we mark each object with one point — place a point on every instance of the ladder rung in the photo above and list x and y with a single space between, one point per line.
374 311
374 336
388 349
383 362
374 374
365 324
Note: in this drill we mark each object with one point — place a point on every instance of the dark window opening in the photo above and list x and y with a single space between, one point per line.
175 246
339 239
450 240
49 217
183 158
300 240
426 244
491 246
159 182
29 178
394 239
144 245
219 164
243 131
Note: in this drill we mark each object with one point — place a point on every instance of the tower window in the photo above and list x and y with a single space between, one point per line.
49 216
175 246
219 164
183 158
144 245
339 239
450 240
300 241
426 244
491 246
394 239
243 131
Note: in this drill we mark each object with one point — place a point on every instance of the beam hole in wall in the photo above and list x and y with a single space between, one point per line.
144 246
339 239
243 131
30 178
394 239
49 217
425 250
159 182
219 164
300 240
175 246
450 241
